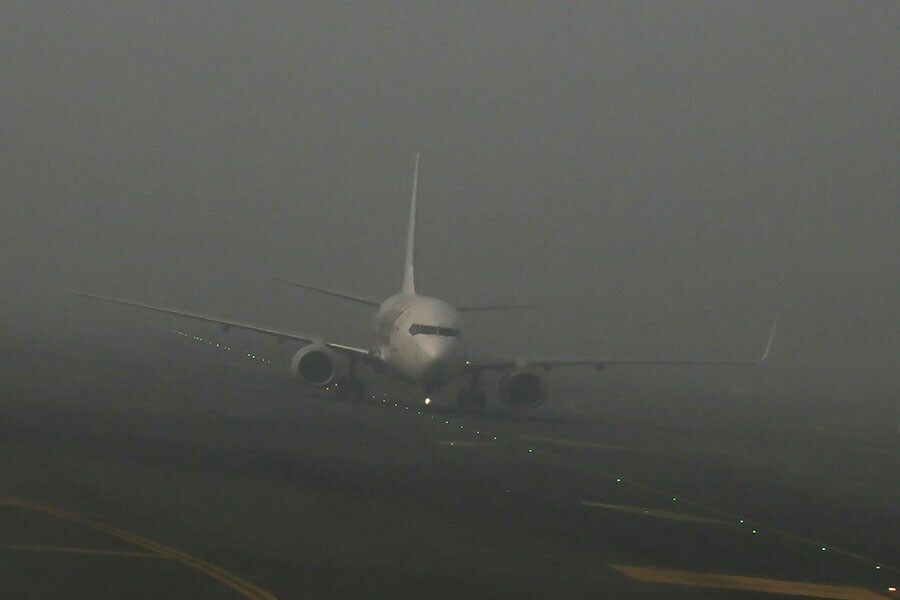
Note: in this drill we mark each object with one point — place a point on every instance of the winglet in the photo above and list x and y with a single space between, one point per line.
409 284
768 349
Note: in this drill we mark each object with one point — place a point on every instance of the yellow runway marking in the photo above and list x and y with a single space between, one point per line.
656 513
69 550
749 584
241 586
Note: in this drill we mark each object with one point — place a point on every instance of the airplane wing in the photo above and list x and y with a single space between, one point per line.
228 323
488 364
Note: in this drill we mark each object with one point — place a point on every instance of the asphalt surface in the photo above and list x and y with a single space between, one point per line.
188 470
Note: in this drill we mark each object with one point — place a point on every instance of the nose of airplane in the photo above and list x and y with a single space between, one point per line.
433 349
434 353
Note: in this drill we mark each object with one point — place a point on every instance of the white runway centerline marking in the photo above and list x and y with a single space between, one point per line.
656 513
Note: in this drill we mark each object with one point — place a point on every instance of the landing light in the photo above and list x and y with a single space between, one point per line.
892 589
427 401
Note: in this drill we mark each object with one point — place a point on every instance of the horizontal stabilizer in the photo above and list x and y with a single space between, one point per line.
478 307
344 295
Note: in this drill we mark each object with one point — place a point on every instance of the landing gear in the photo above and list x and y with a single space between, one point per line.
471 401
352 387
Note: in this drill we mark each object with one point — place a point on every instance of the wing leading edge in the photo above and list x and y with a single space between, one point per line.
229 323
600 363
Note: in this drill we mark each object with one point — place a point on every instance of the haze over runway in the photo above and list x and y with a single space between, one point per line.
184 470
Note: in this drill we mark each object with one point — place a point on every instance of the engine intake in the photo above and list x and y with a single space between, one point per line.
522 389
315 365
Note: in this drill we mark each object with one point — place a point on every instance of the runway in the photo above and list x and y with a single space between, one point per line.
182 470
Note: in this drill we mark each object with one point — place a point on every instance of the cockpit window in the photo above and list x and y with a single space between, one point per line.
416 329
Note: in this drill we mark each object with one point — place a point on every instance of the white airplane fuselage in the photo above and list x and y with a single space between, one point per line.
418 339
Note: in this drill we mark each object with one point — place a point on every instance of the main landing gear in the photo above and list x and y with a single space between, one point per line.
352 387
471 399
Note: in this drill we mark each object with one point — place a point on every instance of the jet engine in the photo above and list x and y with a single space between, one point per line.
522 389
315 365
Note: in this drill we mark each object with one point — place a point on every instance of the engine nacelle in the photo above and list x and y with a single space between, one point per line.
522 389
314 365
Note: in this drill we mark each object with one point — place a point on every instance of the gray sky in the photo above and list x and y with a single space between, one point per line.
660 177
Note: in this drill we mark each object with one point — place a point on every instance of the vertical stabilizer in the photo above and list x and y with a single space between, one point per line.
409 277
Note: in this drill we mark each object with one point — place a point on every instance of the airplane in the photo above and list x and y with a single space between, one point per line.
417 339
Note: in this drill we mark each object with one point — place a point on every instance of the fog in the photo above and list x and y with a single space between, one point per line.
660 179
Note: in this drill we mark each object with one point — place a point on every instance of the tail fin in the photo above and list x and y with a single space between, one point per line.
409 272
